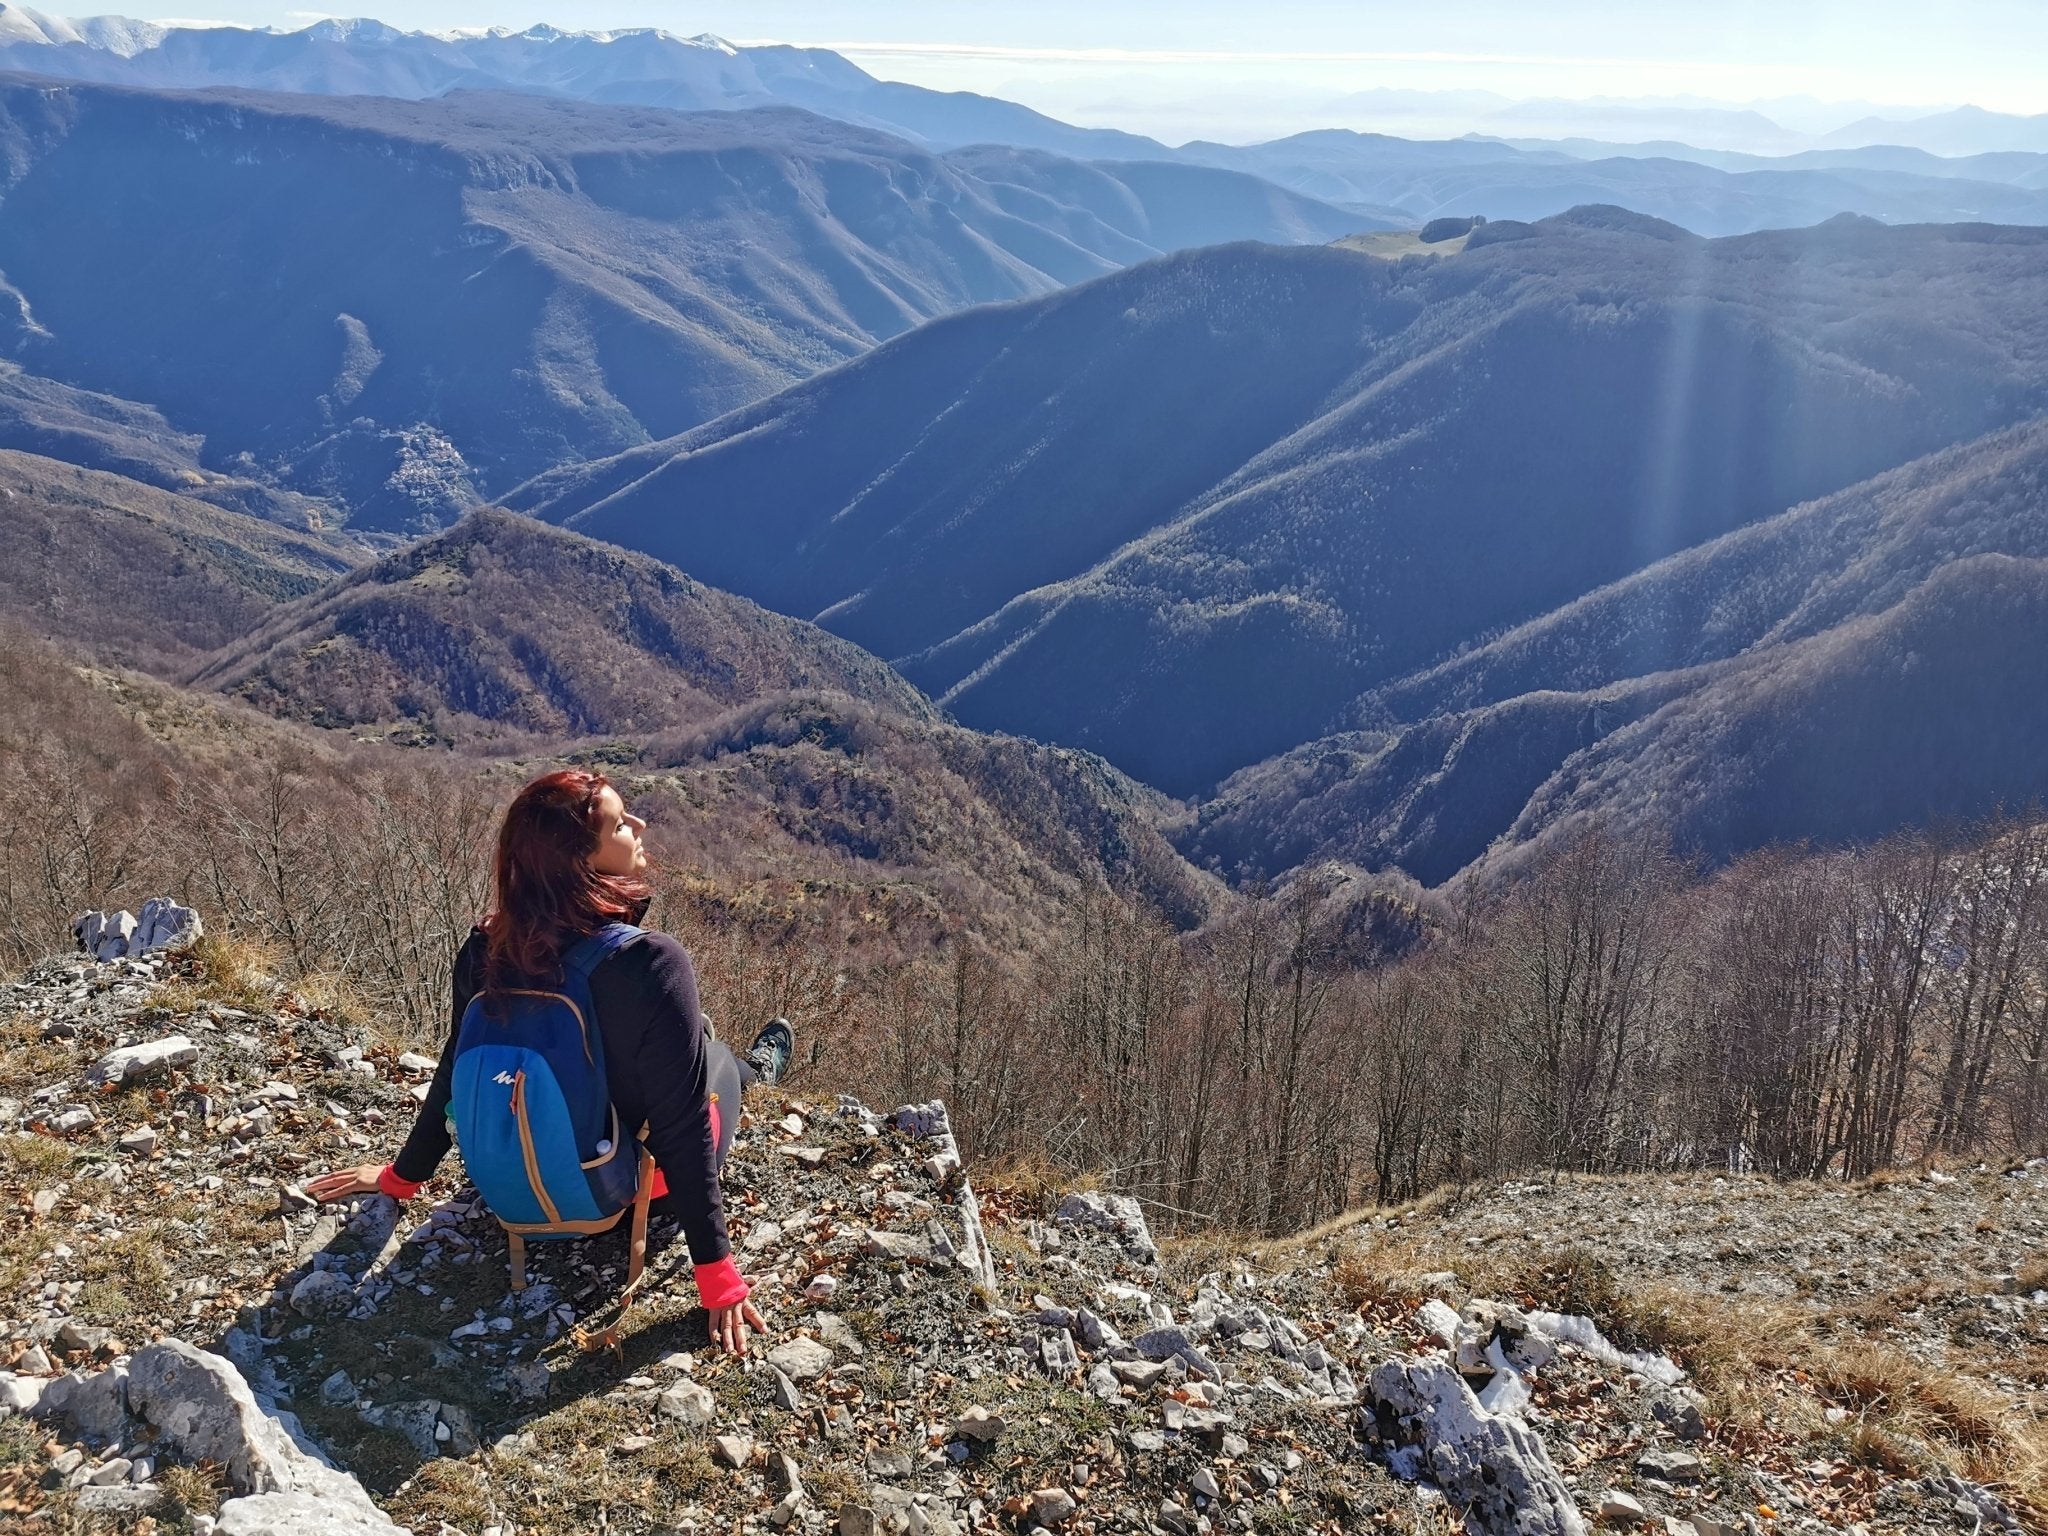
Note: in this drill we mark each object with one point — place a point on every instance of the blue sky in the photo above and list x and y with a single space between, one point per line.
1206 55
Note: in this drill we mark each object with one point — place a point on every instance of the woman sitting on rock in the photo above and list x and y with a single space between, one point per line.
570 862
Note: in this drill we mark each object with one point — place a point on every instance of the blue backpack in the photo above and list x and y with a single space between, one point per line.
533 1115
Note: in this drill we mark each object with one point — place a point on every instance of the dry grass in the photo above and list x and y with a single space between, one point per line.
125 1277
1767 1369
331 995
226 969
1030 1182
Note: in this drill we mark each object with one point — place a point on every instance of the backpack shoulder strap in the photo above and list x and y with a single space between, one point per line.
589 952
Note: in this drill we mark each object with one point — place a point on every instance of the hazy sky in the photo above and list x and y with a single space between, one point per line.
1097 60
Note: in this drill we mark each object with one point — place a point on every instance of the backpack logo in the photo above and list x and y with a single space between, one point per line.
505 1078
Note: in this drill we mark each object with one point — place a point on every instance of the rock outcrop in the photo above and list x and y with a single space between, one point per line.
162 924
194 1406
942 1357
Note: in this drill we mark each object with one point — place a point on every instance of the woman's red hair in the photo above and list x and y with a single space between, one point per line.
547 895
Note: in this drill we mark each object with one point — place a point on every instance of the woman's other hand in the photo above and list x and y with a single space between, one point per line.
729 1326
343 1182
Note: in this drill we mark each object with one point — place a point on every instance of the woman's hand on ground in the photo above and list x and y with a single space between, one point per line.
343 1182
729 1326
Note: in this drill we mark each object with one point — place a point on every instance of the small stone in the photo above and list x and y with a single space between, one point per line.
115 1499
293 1198
1618 1508
691 1403
734 1450
788 1476
75 1118
1680 1410
110 1472
1203 1483
821 1288
323 1293
800 1358
140 1142
1140 1374
1671 1466
792 1125
894 1466
787 1397
338 1391
33 1361
413 1061
978 1424
1146 1440
19 1394
1051 1507
132 1061
896 1245
632 1443
785 1510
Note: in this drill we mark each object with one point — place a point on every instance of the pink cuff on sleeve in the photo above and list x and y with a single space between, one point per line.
720 1285
398 1189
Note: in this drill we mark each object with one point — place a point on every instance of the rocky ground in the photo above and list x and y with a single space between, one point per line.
1690 1356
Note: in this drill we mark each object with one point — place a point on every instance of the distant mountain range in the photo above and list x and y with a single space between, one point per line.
406 307
638 66
1370 173
1197 513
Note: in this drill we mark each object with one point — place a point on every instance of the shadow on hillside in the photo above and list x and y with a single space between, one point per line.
451 1359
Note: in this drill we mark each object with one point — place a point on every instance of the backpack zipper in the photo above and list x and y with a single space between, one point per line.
540 1193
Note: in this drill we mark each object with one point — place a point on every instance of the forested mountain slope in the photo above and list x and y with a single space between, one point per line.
504 622
141 576
1871 660
1276 480
408 306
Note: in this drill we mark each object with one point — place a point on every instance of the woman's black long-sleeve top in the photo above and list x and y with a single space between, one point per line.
645 997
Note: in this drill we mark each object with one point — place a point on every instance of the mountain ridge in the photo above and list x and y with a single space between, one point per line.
503 283
1535 393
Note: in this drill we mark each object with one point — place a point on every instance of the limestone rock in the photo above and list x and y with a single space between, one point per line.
800 1359
978 1424
1118 1215
323 1293
1494 1467
1618 1508
19 1394
896 1245
691 1403
1671 1466
1052 1507
96 1402
133 1061
202 1409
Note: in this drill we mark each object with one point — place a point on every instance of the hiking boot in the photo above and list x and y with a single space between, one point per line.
769 1054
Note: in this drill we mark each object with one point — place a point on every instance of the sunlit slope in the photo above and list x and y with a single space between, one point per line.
1187 513
408 306
1873 660
139 576
501 624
